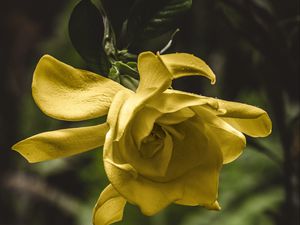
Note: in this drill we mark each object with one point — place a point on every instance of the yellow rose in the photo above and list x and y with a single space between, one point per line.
161 146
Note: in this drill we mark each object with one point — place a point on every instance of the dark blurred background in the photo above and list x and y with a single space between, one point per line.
253 47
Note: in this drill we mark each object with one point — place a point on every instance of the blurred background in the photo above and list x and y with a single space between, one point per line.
252 46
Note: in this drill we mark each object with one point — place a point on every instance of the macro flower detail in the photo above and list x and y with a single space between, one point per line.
161 145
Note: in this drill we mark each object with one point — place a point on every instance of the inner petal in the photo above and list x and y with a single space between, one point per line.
191 148
176 117
143 124
153 157
152 143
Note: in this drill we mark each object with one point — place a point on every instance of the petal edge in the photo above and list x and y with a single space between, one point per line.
183 64
109 207
61 143
66 93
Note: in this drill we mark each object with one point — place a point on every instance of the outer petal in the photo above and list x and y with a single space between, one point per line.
172 101
115 116
200 186
154 79
61 143
248 119
183 64
192 149
196 187
109 208
231 141
66 93
130 108
149 195
176 117
154 74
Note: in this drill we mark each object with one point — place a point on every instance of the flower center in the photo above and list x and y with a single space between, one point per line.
153 142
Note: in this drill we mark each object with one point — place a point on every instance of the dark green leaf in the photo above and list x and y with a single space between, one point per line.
117 11
149 19
86 32
129 82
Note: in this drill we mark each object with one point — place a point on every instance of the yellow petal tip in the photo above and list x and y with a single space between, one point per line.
213 79
213 206
184 64
18 148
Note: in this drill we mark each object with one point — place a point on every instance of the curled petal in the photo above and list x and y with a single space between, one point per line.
119 99
172 101
154 79
213 206
231 141
143 123
125 166
120 113
248 119
129 108
153 73
66 93
192 148
61 143
150 196
196 187
153 166
200 187
183 64
176 117
109 208
156 74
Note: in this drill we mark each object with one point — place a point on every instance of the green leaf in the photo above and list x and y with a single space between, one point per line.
149 19
129 82
86 32
117 11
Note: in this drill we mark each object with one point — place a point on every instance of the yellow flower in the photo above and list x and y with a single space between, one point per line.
161 146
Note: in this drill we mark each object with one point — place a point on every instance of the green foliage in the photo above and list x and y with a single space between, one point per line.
117 12
269 30
149 19
86 30
126 23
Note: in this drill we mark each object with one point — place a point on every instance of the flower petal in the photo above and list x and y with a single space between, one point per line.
175 117
66 93
120 112
61 143
149 195
109 208
156 73
153 73
152 167
142 124
193 149
183 64
196 187
231 141
200 186
172 101
154 79
248 119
